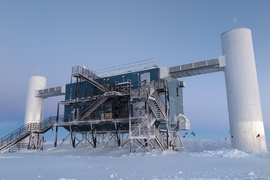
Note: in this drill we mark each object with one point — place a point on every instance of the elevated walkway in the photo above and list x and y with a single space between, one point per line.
50 92
197 68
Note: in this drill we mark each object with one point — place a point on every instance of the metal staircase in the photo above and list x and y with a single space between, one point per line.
101 99
160 139
157 106
140 129
89 76
21 133
144 132
155 109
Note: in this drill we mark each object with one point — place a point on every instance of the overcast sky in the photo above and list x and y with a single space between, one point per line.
48 37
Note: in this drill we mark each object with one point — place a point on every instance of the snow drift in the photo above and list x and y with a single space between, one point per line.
202 159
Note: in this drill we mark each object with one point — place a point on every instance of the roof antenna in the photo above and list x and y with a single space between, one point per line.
235 23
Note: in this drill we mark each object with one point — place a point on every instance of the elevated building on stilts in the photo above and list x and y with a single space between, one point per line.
140 105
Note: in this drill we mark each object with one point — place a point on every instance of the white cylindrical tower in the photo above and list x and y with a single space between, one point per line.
245 115
34 105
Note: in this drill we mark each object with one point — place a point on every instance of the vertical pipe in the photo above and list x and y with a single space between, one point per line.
56 134
129 120
70 88
57 115
168 120
56 129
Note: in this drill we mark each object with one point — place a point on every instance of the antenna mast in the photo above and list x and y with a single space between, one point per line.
235 23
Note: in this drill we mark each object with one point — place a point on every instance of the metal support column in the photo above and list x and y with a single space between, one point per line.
56 129
70 88
167 118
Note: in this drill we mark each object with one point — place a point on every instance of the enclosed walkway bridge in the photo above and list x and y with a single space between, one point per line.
198 68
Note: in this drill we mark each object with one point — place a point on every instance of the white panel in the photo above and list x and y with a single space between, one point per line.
222 61
63 89
243 97
34 105
163 72
145 78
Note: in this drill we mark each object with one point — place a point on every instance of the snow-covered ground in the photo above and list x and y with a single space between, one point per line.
202 159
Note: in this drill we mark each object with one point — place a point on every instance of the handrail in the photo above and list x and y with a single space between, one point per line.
155 109
92 107
83 71
65 119
13 134
160 138
159 103
25 130
128 67
47 122
88 75
142 125
151 117
89 107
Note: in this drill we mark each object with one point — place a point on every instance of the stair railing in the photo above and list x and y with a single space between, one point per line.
142 127
92 107
26 130
14 135
88 75
159 103
160 138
